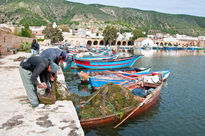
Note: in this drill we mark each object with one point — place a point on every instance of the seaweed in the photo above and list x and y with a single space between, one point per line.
112 99
109 99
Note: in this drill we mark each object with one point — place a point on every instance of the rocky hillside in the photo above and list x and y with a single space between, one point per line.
42 12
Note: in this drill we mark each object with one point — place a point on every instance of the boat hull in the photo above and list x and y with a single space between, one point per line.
97 82
84 77
149 101
107 63
91 58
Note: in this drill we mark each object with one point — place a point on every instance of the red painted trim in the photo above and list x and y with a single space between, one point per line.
88 63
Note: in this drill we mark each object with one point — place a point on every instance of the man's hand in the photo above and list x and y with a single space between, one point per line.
51 77
42 85
56 77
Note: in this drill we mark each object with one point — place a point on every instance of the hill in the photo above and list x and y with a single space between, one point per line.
42 12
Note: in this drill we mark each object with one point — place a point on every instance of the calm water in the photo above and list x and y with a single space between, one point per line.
180 110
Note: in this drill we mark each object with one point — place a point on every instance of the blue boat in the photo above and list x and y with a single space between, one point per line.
98 57
169 48
155 48
123 79
85 74
106 63
164 73
191 48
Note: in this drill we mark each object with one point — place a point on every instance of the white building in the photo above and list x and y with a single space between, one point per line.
128 35
54 25
124 36
170 39
37 28
201 38
143 42
185 37
88 32
151 36
120 36
37 31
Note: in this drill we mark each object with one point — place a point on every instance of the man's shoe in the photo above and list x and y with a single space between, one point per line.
40 105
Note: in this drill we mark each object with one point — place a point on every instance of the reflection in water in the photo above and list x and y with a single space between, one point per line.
84 90
157 53
74 84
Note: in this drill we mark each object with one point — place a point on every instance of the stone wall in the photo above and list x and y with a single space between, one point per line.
9 40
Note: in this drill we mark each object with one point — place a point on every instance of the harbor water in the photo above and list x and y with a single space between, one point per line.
180 110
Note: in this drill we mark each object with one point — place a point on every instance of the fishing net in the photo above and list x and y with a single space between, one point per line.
110 99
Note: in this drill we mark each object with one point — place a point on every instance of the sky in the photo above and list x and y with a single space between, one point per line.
189 7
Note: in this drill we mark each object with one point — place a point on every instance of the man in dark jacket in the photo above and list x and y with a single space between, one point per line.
55 54
32 68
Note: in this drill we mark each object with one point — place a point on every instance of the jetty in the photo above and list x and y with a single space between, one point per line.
18 118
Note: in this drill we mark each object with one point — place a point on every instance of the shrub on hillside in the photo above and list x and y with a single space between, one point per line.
40 40
26 47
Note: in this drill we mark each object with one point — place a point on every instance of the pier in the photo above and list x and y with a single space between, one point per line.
18 118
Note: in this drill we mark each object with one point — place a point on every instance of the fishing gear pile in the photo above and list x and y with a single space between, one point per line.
110 99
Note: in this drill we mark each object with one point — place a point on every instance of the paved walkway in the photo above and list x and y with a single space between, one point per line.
18 118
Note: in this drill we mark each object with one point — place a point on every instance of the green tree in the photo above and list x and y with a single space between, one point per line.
64 28
53 33
123 30
110 34
136 34
17 31
25 31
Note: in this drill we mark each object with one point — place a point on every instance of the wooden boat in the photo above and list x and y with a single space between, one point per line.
84 75
101 57
107 54
155 48
106 63
181 48
72 57
121 78
149 101
169 48
192 48
164 73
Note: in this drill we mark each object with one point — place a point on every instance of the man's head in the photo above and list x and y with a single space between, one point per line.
63 56
53 68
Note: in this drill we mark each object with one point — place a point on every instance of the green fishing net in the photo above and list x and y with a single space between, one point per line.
111 99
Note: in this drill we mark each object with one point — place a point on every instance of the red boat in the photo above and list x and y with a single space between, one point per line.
149 101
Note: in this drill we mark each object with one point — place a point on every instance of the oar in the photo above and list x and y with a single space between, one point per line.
140 105
89 99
